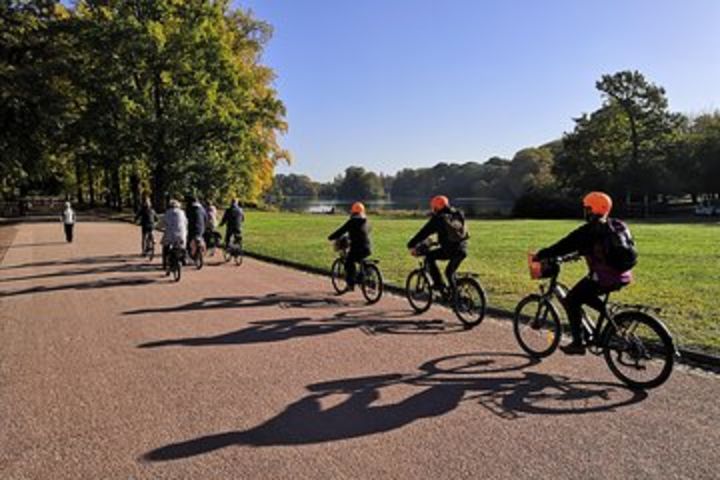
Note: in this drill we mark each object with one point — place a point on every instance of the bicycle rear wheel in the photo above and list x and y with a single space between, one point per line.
418 290
640 351
337 273
469 302
372 284
536 325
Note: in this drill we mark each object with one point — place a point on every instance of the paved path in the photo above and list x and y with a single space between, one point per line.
109 370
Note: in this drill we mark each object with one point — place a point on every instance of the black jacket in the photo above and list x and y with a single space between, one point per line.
436 225
588 241
196 217
234 218
147 218
359 231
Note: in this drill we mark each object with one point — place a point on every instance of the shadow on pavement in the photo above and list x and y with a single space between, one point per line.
442 385
267 331
33 245
105 283
124 258
122 268
283 300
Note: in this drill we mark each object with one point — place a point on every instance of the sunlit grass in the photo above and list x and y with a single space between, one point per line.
678 269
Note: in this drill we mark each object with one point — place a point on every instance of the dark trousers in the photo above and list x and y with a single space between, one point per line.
351 260
585 292
455 256
228 235
69 231
144 231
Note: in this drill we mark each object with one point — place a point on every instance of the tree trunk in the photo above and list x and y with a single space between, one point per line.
91 180
134 181
78 183
117 188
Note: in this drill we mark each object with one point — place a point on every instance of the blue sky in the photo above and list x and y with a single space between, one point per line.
388 84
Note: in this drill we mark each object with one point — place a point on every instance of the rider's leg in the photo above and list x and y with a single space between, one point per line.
432 257
584 292
456 259
351 267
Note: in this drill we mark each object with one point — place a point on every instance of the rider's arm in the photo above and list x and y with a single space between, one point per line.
428 229
340 231
575 241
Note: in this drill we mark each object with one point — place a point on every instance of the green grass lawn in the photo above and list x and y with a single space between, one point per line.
678 269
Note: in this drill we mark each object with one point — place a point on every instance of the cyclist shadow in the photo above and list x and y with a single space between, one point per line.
268 331
441 390
282 300
397 322
259 332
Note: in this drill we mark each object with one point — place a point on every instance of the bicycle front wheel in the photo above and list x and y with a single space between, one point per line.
469 302
418 290
337 272
536 325
638 350
372 284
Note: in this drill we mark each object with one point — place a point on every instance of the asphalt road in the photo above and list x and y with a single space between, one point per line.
110 370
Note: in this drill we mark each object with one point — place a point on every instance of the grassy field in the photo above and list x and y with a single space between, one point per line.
678 270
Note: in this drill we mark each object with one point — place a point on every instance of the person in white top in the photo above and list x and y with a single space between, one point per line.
68 219
176 227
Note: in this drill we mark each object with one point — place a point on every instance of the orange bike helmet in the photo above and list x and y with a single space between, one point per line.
439 202
357 208
598 203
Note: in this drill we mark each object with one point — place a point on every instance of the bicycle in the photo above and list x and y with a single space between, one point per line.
368 277
212 241
467 299
173 256
197 251
234 249
629 337
149 245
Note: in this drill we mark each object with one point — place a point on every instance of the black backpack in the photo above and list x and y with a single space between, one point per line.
619 246
454 222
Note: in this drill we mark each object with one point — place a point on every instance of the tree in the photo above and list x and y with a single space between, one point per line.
358 184
624 146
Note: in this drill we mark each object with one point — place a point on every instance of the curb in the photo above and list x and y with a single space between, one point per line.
692 358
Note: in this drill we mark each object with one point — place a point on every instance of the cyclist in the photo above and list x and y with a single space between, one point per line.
358 229
211 227
197 219
234 217
147 218
449 225
590 241
176 225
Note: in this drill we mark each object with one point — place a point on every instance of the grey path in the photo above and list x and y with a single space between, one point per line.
109 370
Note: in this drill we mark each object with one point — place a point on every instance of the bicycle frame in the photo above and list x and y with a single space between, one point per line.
593 330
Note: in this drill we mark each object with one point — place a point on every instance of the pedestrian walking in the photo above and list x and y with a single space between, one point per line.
68 219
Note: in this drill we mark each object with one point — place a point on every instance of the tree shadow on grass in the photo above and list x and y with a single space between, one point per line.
440 387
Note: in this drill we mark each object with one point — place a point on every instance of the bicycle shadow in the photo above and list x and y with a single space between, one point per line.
277 330
440 391
283 300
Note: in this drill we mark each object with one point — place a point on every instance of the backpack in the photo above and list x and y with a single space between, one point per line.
619 247
455 228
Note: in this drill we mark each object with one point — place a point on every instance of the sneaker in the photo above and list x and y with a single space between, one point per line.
573 349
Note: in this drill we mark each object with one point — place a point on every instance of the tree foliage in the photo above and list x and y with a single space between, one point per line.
163 94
